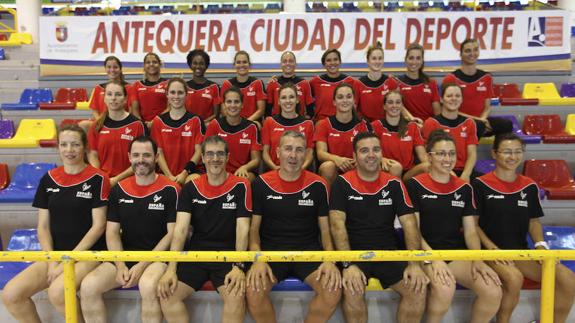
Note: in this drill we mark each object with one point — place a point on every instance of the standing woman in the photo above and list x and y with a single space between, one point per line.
506 220
445 209
203 97
178 134
305 100
110 136
241 134
287 119
333 135
323 86
150 92
462 130
372 88
253 91
71 202
419 90
401 139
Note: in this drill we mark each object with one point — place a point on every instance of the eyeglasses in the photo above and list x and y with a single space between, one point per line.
442 154
509 153
213 154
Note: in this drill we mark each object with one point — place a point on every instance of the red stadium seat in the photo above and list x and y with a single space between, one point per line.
548 126
509 94
66 99
4 176
552 175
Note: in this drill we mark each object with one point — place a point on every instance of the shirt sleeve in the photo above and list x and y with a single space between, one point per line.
101 191
472 134
309 134
41 196
266 136
413 193
323 200
470 208
171 207
186 197
401 202
257 196
337 199
256 141
535 209
93 138
261 91
156 132
416 135
200 131
478 194
113 209
94 98
434 91
245 207
321 131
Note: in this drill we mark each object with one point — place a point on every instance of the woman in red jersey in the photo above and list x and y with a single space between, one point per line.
110 136
305 100
150 92
178 134
324 85
203 97
71 202
401 140
419 90
241 134
288 119
371 88
253 91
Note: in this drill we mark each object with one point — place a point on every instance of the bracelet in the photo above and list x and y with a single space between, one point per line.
542 244
240 265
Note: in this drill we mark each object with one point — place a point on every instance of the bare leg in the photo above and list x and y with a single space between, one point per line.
234 306
412 304
94 285
324 303
512 280
148 284
260 306
354 307
18 292
328 170
439 297
174 309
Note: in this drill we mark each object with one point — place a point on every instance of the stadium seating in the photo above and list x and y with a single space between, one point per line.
554 176
17 39
30 132
570 124
548 126
24 182
2 54
528 139
568 90
509 94
66 99
24 240
558 238
4 176
6 129
10 269
546 93
485 166
29 99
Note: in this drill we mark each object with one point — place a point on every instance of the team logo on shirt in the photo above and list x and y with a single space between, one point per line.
251 91
206 94
481 87
355 198
199 201
160 90
187 132
104 132
334 134
166 130
229 205
244 139
156 198
463 132
83 194
126 135
53 190
366 91
426 89
125 201
522 203
429 196
301 129
406 138
385 200
86 187
156 206
305 201
274 197
457 202
496 197
278 129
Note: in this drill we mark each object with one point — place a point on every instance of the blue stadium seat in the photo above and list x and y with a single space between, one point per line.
30 99
485 166
291 284
558 238
24 240
6 129
24 182
10 269
2 54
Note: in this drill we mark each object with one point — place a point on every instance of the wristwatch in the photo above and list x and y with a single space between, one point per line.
345 264
542 244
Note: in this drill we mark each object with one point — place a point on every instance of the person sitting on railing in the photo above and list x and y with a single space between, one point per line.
71 202
509 208
218 207
445 210
363 205
141 216
291 213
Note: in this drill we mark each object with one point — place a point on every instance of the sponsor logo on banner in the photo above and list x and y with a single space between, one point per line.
545 32
61 32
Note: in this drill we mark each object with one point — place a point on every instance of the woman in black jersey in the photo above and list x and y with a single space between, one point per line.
445 210
509 209
71 202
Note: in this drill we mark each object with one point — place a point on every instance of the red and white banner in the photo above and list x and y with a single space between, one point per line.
509 40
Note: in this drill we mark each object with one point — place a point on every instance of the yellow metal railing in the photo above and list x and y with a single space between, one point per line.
5 28
548 257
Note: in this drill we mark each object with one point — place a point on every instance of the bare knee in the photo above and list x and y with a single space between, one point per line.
12 295
235 302
441 296
148 288
329 298
56 295
328 170
513 281
255 298
490 293
90 288
354 302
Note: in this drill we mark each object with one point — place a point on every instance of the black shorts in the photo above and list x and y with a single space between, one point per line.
388 272
196 274
299 270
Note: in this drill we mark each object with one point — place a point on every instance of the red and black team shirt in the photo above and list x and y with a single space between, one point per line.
339 136
177 138
252 90
70 200
441 210
370 209
322 87
505 209
151 97
112 142
275 126
97 99
418 96
476 89
143 211
462 129
369 95
395 147
303 94
242 140
290 210
202 98
214 211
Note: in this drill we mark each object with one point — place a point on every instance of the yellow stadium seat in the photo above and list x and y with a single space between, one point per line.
182 8
17 39
333 6
374 285
486 140
570 124
546 93
145 13
365 7
30 132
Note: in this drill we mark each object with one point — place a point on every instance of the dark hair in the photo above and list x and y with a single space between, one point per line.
198 52
445 86
465 42
402 125
506 136
233 89
144 139
436 136
329 51
342 85
371 49
242 52
363 135
286 53
288 85
74 128
421 74
215 139
99 123
155 56
114 58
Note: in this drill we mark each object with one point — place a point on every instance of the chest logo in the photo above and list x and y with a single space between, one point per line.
305 201
126 135
428 196
385 200
523 195
229 205
355 198
301 129
274 197
83 194
523 203
457 196
497 197
125 201
384 193
54 190
86 187
245 139
229 197
156 198
304 194
187 127
199 201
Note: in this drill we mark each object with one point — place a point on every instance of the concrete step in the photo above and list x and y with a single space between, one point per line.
18 84
10 95
24 52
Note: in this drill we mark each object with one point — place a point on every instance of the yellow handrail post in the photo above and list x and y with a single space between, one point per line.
547 289
70 291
